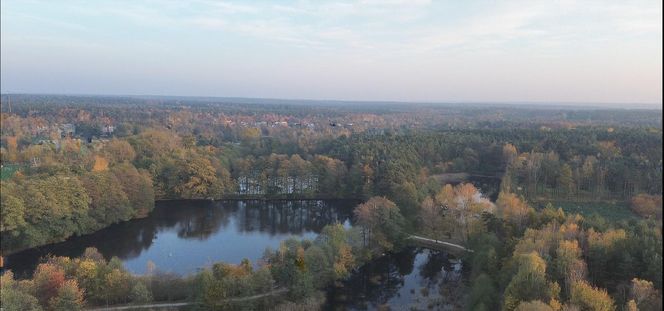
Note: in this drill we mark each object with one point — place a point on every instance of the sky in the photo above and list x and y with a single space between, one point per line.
393 50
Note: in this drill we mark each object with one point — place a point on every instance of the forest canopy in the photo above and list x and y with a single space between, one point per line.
571 217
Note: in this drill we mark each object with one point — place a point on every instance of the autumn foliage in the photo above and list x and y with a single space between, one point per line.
381 223
101 164
48 279
647 206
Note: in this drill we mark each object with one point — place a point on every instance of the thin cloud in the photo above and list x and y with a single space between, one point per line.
385 41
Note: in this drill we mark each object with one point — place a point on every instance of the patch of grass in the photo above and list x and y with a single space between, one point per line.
7 171
612 211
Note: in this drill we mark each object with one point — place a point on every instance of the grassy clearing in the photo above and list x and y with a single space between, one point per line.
612 211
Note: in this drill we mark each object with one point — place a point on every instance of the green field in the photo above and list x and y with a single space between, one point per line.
612 211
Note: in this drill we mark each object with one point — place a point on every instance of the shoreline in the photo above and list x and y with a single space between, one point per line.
235 199
258 198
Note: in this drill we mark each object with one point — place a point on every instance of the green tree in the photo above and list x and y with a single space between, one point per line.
529 283
302 285
13 210
483 292
56 207
13 298
69 297
109 201
137 185
566 180
119 151
199 179
568 265
116 286
431 218
589 298
381 222
140 293
533 306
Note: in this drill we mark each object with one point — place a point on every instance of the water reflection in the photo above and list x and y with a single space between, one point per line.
181 236
412 279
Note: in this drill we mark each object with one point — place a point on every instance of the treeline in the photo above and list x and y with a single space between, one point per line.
62 283
279 174
584 164
300 269
42 209
608 165
397 115
579 164
213 151
71 189
403 166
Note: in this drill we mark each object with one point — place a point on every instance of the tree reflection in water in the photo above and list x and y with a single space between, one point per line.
409 279
194 233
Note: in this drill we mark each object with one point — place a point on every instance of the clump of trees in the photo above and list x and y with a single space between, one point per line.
611 166
381 223
547 260
63 283
214 287
280 175
42 209
454 212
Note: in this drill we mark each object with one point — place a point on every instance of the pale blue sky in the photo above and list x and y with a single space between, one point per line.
549 51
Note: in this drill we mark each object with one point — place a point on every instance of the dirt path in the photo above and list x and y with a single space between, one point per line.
146 306
183 304
423 239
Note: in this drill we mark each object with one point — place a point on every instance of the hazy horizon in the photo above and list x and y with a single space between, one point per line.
264 100
536 53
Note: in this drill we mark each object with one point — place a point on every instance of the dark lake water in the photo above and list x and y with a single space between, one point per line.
182 236
413 279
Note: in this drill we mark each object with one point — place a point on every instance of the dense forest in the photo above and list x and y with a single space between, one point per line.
74 165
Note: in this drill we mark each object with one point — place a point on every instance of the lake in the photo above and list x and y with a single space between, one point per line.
183 236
